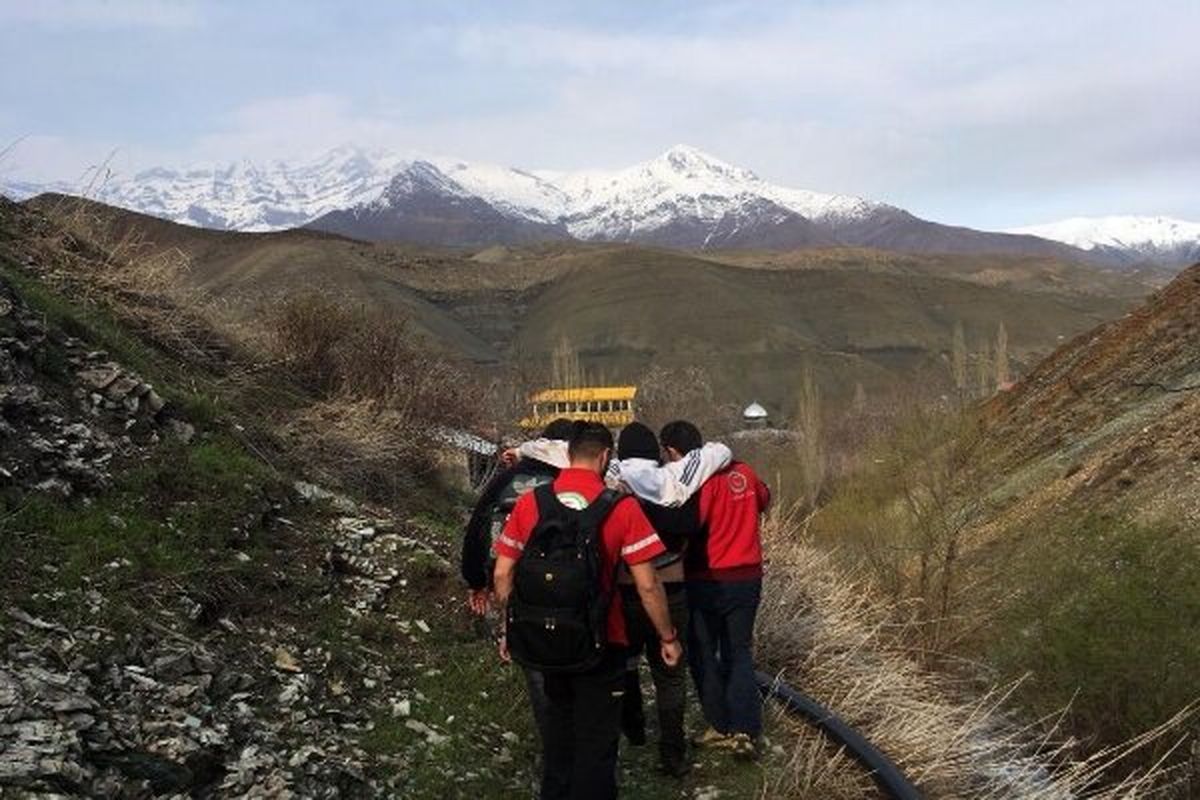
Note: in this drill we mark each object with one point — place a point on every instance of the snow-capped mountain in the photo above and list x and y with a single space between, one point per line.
19 190
682 181
683 198
248 196
422 203
1127 239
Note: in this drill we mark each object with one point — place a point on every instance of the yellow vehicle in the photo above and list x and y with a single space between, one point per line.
608 405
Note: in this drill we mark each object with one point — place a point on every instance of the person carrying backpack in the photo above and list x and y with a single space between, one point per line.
555 575
488 518
495 503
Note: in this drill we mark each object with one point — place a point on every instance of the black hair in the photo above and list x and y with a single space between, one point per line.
637 441
588 440
561 428
681 435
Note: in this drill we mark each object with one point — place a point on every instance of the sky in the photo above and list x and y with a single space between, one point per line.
989 114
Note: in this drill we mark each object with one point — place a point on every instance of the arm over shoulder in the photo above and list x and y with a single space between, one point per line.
673 484
548 451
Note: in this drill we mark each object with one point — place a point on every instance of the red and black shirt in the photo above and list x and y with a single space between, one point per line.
626 534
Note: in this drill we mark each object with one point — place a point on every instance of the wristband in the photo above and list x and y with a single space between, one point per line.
674 637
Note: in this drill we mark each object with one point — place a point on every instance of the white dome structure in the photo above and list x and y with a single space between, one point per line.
755 413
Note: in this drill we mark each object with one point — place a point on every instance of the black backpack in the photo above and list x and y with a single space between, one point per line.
520 485
557 614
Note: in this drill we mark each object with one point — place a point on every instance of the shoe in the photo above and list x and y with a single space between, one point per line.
711 737
674 764
744 746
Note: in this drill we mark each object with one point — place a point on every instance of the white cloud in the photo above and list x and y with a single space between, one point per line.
967 111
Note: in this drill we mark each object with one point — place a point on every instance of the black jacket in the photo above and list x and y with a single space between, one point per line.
675 525
477 541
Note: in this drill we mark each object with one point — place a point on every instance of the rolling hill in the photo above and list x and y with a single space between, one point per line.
854 316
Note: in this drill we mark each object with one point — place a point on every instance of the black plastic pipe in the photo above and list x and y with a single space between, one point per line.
886 774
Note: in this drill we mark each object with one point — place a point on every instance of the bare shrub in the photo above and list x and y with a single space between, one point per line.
984 366
384 397
1002 369
306 331
810 440
566 370
140 280
958 359
906 513
670 393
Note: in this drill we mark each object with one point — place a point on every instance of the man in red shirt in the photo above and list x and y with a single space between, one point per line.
583 720
723 570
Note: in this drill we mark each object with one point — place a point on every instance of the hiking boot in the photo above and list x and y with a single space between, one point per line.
711 737
635 734
674 763
744 746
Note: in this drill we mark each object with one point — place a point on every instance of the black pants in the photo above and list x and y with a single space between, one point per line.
535 684
583 726
670 683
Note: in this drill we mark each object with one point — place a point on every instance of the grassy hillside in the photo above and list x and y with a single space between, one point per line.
752 321
241 273
754 330
1024 273
1054 534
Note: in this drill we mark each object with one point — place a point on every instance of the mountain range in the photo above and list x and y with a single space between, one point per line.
1126 239
682 199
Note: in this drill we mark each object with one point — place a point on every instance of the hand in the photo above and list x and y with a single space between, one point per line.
510 456
672 652
479 600
505 656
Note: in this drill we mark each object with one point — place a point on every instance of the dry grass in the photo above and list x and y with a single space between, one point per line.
350 389
383 395
86 253
824 632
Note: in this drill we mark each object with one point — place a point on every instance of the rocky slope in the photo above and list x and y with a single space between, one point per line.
1114 415
179 617
182 615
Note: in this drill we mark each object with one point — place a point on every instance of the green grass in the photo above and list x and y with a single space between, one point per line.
170 518
457 686
103 330
1107 621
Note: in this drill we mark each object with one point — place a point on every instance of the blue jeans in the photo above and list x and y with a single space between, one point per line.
720 642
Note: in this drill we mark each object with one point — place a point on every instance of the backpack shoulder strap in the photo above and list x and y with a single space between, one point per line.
599 509
547 500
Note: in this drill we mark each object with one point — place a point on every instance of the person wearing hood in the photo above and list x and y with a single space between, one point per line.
638 451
